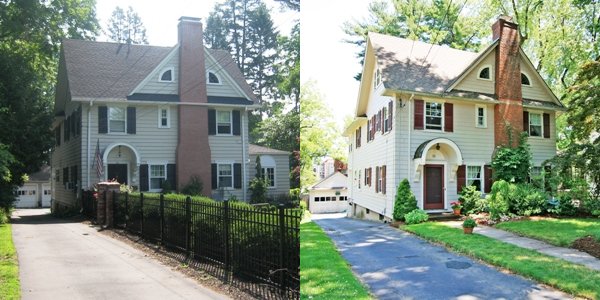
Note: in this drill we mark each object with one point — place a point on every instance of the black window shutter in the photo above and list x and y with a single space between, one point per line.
236 122
65 176
212 119
102 119
237 176
172 175
487 178
58 135
526 121
418 115
144 178
213 174
448 117
131 120
461 178
547 126
66 128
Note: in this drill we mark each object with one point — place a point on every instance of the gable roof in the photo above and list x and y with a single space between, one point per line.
256 149
111 70
43 175
335 181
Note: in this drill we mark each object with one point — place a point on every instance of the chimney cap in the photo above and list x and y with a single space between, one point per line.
506 19
190 19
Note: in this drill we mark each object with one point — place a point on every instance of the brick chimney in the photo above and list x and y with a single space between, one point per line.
193 151
507 82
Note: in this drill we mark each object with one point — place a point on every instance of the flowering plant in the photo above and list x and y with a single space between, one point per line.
456 205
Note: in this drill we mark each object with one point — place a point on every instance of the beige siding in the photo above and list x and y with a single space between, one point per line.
543 148
282 173
472 82
537 90
151 84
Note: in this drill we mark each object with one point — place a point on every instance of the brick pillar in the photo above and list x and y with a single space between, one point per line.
105 208
509 112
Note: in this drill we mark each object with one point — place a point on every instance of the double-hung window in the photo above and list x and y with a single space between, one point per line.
225 172
163 117
116 119
224 122
535 124
157 175
474 177
269 173
480 121
433 115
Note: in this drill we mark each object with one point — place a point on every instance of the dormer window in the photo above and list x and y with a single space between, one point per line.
166 75
525 80
485 73
213 78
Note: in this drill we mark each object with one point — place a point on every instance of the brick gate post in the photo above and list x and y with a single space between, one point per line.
107 208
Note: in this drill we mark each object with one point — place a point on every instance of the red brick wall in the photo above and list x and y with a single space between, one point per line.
193 151
507 82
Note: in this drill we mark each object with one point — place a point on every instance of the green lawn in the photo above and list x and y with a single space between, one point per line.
324 274
571 278
9 269
559 232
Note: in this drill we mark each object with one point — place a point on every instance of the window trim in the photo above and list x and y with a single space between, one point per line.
208 72
477 107
219 164
541 124
272 184
481 176
230 122
109 131
377 78
491 73
160 75
425 116
160 109
528 79
164 165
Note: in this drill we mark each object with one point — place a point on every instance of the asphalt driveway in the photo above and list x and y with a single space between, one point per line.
398 265
62 259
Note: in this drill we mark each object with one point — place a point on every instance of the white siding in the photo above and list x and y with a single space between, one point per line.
472 82
226 88
328 206
282 173
537 90
543 148
151 84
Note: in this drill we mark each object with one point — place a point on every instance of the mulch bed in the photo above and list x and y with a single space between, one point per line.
589 245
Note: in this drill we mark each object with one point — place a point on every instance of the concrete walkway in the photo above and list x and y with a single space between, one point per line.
398 265
568 254
64 259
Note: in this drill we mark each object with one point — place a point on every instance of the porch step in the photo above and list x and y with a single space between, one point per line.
443 216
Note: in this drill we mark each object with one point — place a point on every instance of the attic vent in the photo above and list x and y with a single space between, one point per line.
213 78
484 73
166 76
525 80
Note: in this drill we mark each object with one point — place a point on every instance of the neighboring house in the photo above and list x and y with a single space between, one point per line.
36 192
329 195
434 115
275 165
328 166
155 114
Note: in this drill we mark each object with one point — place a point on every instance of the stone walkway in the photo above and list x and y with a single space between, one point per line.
568 254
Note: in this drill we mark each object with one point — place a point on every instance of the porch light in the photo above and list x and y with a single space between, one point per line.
437 146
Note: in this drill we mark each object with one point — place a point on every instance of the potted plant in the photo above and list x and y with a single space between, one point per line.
456 206
468 225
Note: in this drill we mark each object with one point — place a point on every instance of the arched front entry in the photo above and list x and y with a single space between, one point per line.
121 163
436 162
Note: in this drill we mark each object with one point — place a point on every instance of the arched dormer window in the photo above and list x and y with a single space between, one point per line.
166 75
525 80
212 78
485 73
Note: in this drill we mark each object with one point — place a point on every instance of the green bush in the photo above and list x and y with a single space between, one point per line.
405 201
469 223
258 190
193 187
512 164
562 205
416 216
3 216
469 196
498 199
526 200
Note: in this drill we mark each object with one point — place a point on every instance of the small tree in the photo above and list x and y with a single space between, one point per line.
258 185
405 201
512 164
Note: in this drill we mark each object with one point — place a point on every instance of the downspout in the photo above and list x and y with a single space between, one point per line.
244 159
410 117
89 166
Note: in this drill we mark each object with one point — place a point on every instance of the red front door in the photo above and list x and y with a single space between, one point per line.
434 187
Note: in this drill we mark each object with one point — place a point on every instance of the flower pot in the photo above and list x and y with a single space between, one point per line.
468 230
456 211
395 224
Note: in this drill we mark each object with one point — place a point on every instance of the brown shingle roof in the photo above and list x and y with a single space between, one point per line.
256 149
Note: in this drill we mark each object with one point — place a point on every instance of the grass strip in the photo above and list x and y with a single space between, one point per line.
9 267
558 232
324 274
571 278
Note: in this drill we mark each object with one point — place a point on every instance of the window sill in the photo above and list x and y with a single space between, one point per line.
481 127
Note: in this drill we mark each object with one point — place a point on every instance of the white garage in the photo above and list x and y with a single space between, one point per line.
36 192
330 195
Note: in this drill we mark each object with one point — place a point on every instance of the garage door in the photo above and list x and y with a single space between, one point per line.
46 195
26 197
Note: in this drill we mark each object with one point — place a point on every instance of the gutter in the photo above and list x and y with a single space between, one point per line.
244 160
122 101
89 166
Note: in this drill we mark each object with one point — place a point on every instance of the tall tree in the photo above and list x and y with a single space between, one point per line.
30 35
290 4
126 27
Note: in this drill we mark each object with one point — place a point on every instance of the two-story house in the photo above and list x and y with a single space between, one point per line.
435 115
145 115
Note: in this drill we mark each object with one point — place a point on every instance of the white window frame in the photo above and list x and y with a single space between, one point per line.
385 120
160 110
219 165
160 75
541 135
124 120
477 107
425 116
376 77
471 179
528 78
230 122
379 178
491 73
150 177
220 82
265 174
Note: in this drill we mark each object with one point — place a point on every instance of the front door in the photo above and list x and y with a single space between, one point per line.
434 187
117 172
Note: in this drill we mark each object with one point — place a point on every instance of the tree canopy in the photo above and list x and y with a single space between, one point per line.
126 27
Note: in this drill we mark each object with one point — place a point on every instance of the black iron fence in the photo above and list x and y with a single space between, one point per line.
255 249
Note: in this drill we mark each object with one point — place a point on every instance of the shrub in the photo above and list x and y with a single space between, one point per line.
469 196
416 216
512 164
469 223
526 200
193 187
562 205
498 199
258 190
405 201
3 216
166 187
